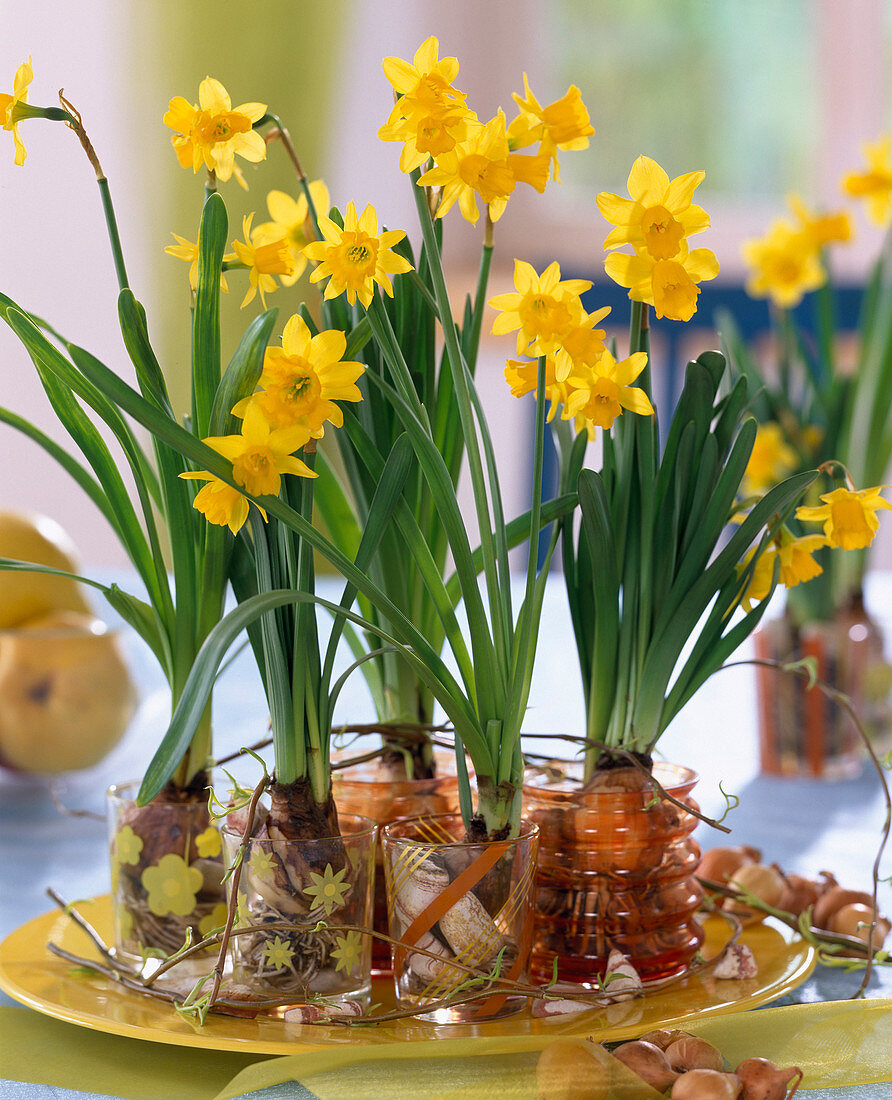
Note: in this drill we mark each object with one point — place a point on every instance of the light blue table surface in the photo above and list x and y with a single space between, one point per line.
804 825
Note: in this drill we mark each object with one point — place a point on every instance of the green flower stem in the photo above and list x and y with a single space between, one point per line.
402 377
288 751
22 111
113 235
501 628
480 301
825 303
73 119
526 643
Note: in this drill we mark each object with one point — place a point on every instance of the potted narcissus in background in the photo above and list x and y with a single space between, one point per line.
650 570
820 397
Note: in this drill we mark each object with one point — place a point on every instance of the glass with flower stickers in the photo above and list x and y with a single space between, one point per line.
166 872
309 903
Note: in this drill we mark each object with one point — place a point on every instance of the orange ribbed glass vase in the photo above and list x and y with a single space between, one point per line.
616 871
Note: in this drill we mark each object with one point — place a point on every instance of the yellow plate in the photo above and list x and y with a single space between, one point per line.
35 977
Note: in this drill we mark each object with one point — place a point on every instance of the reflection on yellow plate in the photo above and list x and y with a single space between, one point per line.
43 981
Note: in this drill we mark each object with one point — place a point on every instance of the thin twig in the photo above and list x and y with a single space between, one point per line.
233 895
85 926
241 752
59 805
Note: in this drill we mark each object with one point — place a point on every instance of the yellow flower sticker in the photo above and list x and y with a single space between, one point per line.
348 952
128 845
209 843
279 953
215 919
329 889
172 885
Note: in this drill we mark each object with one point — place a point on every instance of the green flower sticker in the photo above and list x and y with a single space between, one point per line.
329 889
348 952
128 845
279 953
209 843
172 885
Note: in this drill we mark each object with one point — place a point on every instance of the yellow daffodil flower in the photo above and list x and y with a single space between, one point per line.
427 132
479 166
10 111
600 393
821 229
771 460
849 516
670 286
260 454
426 82
172 886
302 380
430 116
796 565
188 251
328 890
523 376
265 253
658 217
564 124
348 952
278 952
128 845
219 503
874 185
543 309
785 265
583 344
212 133
291 220
356 257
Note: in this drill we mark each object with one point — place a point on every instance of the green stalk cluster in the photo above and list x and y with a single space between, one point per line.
652 575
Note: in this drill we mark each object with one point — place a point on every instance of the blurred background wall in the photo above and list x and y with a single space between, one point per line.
767 97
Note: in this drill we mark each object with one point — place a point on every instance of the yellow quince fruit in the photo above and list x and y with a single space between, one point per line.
66 697
24 596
